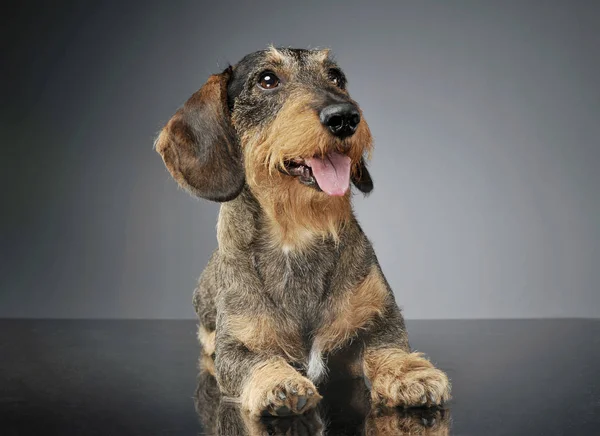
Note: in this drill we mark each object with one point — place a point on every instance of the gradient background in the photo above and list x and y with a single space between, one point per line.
486 117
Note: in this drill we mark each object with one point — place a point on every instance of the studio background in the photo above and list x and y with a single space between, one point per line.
485 114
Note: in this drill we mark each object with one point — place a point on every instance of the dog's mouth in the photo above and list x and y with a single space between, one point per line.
330 173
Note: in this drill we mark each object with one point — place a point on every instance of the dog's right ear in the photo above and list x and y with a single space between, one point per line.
199 145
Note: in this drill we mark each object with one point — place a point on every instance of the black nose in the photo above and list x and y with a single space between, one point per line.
341 119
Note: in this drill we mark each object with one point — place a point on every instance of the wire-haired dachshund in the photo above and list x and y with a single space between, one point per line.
294 292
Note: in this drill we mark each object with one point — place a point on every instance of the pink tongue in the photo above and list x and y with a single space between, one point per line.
332 173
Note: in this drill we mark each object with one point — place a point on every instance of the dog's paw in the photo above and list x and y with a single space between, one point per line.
279 391
286 397
407 380
415 388
291 396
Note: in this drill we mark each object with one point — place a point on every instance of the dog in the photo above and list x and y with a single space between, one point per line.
294 290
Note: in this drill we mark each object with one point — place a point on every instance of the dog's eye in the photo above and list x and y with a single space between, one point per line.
268 80
337 78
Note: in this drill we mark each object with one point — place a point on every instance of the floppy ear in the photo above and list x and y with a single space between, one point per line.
362 179
199 145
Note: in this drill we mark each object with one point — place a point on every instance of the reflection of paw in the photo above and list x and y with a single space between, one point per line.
309 423
408 380
426 422
276 388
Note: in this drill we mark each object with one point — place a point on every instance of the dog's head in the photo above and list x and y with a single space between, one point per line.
281 120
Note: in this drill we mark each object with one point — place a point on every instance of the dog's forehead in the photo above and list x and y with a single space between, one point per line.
284 58
298 57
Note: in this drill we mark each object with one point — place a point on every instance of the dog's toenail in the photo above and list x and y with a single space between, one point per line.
310 392
301 402
281 396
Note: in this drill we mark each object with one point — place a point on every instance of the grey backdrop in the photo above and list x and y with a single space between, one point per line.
485 116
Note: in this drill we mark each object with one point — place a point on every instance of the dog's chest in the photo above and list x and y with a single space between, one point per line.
297 281
299 285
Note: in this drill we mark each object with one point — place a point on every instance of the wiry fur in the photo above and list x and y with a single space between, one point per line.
294 211
398 378
294 284
274 384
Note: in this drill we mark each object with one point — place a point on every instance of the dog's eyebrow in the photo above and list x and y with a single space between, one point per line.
276 57
323 55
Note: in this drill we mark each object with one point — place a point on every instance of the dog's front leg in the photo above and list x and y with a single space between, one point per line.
399 377
263 382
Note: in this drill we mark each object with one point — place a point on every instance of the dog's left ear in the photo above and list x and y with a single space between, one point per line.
199 145
362 178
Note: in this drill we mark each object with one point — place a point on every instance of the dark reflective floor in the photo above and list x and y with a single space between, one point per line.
527 377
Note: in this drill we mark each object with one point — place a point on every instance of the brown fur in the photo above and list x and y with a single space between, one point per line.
187 155
206 363
295 283
259 334
404 379
274 384
355 312
294 211
207 340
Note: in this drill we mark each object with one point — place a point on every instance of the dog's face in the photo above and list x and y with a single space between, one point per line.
293 115
281 120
